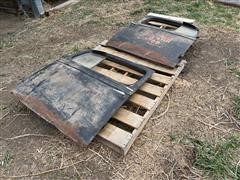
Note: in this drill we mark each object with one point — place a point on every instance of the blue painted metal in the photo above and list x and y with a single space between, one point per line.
35 5
37 8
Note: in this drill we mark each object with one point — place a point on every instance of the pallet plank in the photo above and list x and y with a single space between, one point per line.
148 114
137 131
120 139
121 67
142 101
116 76
152 89
115 135
132 119
147 87
174 18
65 4
161 78
156 76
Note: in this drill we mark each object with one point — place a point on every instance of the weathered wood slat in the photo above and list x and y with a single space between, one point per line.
112 135
161 78
132 119
152 89
149 113
156 76
63 5
179 19
142 101
115 135
116 76
121 67
161 24
147 87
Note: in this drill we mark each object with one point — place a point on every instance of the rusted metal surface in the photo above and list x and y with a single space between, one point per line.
158 45
76 99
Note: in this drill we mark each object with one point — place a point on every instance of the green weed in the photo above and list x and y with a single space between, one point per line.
233 67
205 12
172 136
6 159
236 72
6 41
75 48
237 107
217 160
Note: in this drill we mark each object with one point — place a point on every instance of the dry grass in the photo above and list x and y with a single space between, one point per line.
200 104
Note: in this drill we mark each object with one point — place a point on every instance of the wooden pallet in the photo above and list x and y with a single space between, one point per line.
122 130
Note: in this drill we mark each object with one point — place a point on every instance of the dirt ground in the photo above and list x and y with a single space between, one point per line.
200 101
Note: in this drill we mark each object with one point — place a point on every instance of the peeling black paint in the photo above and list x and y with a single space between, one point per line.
77 100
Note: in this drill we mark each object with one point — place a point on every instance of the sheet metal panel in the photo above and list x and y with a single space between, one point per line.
161 46
77 100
